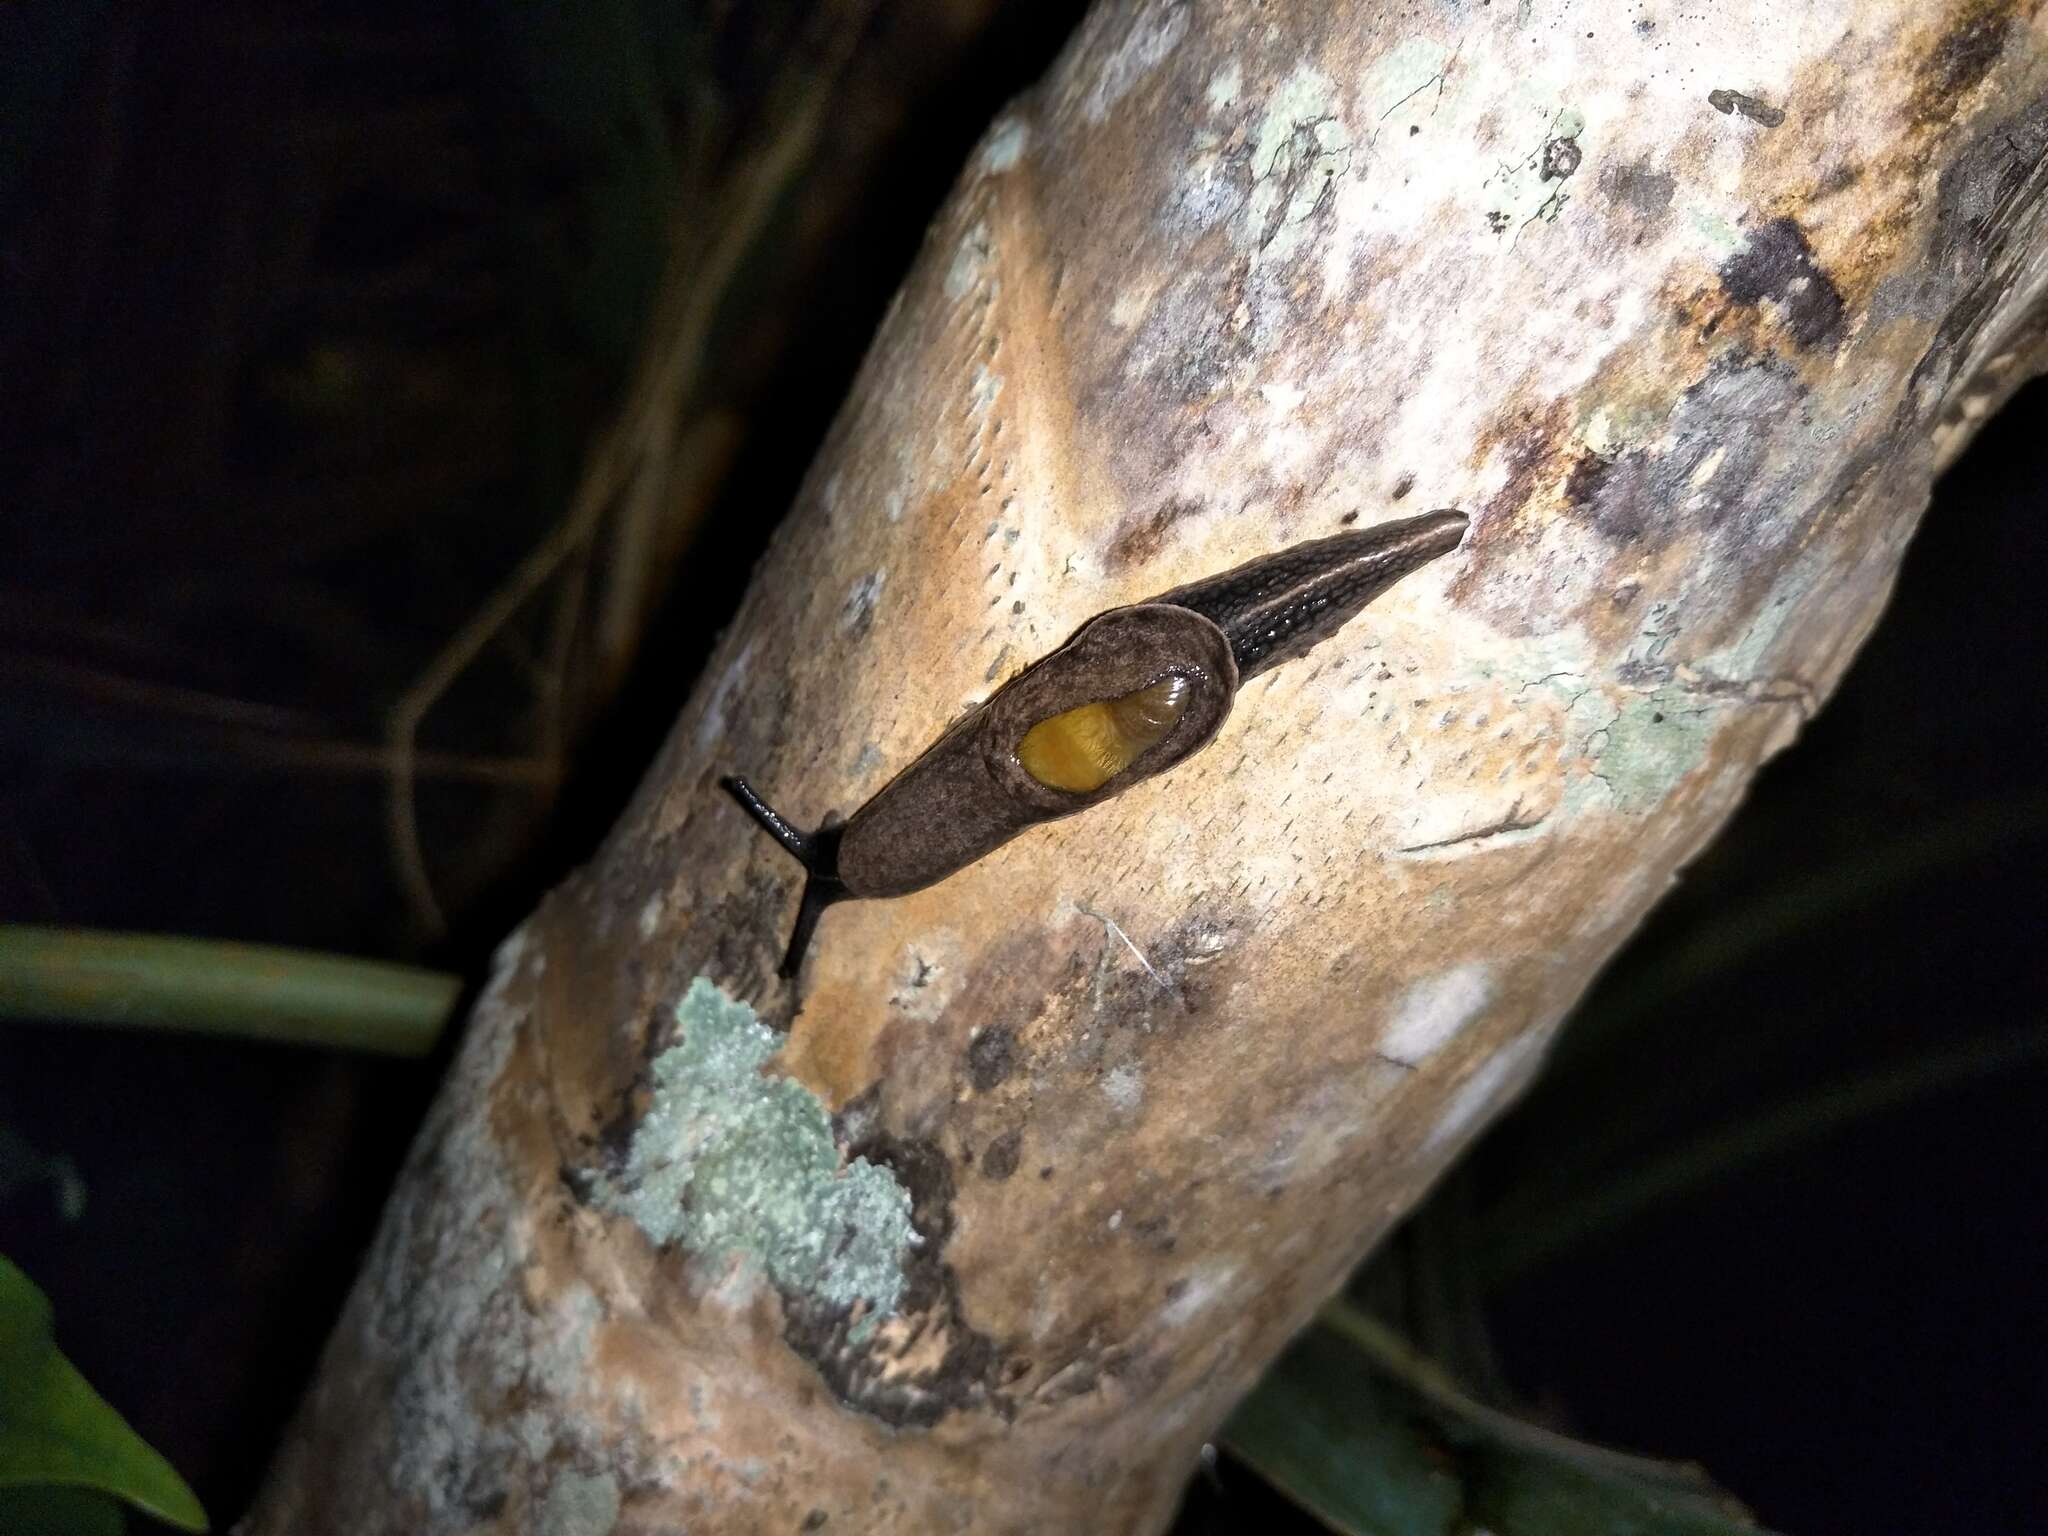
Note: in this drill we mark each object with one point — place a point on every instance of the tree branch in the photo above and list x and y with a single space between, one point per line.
1231 278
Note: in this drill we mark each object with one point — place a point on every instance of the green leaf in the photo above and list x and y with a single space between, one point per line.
1514 1494
55 1430
1375 1439
26 1322
1327 1434
59 1512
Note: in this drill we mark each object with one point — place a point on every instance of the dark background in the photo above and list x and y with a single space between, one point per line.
307 316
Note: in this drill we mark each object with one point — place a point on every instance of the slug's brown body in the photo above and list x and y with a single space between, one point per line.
1134 691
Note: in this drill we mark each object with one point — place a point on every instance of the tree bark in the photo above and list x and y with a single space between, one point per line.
1686 308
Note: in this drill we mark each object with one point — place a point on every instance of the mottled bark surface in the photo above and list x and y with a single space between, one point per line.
1685 310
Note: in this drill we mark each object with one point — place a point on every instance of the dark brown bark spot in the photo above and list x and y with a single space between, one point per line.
991 1057
1735 102
1987 198
1561 157
1644 192
1530 446
1720 430
1000 1160
1778 264
1141 541
1587 471
1961 59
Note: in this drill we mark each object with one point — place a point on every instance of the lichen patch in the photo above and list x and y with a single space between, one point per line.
970 262
1004 146
1124 1086
1433 1011
1655 742
579 1504
1154 33
731 1163
1300 150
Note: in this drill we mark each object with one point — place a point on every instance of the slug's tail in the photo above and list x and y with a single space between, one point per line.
1277 608
817 851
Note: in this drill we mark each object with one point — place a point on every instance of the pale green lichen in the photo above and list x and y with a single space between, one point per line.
1753 653
579 1504
970 261
1224 87
1613 428
1300 147
1653 744
1532 188
1398 76
1005 145
1723 238
732 1163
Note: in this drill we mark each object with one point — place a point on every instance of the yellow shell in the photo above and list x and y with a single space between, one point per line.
1083 748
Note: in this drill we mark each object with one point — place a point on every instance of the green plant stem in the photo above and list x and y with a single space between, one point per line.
253 991
1539 1223
1403 1362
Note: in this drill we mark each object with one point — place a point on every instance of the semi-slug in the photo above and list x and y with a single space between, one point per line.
1134 691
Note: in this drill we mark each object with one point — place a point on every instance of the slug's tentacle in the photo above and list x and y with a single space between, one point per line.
820 892
798 843
817 851
1274 609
